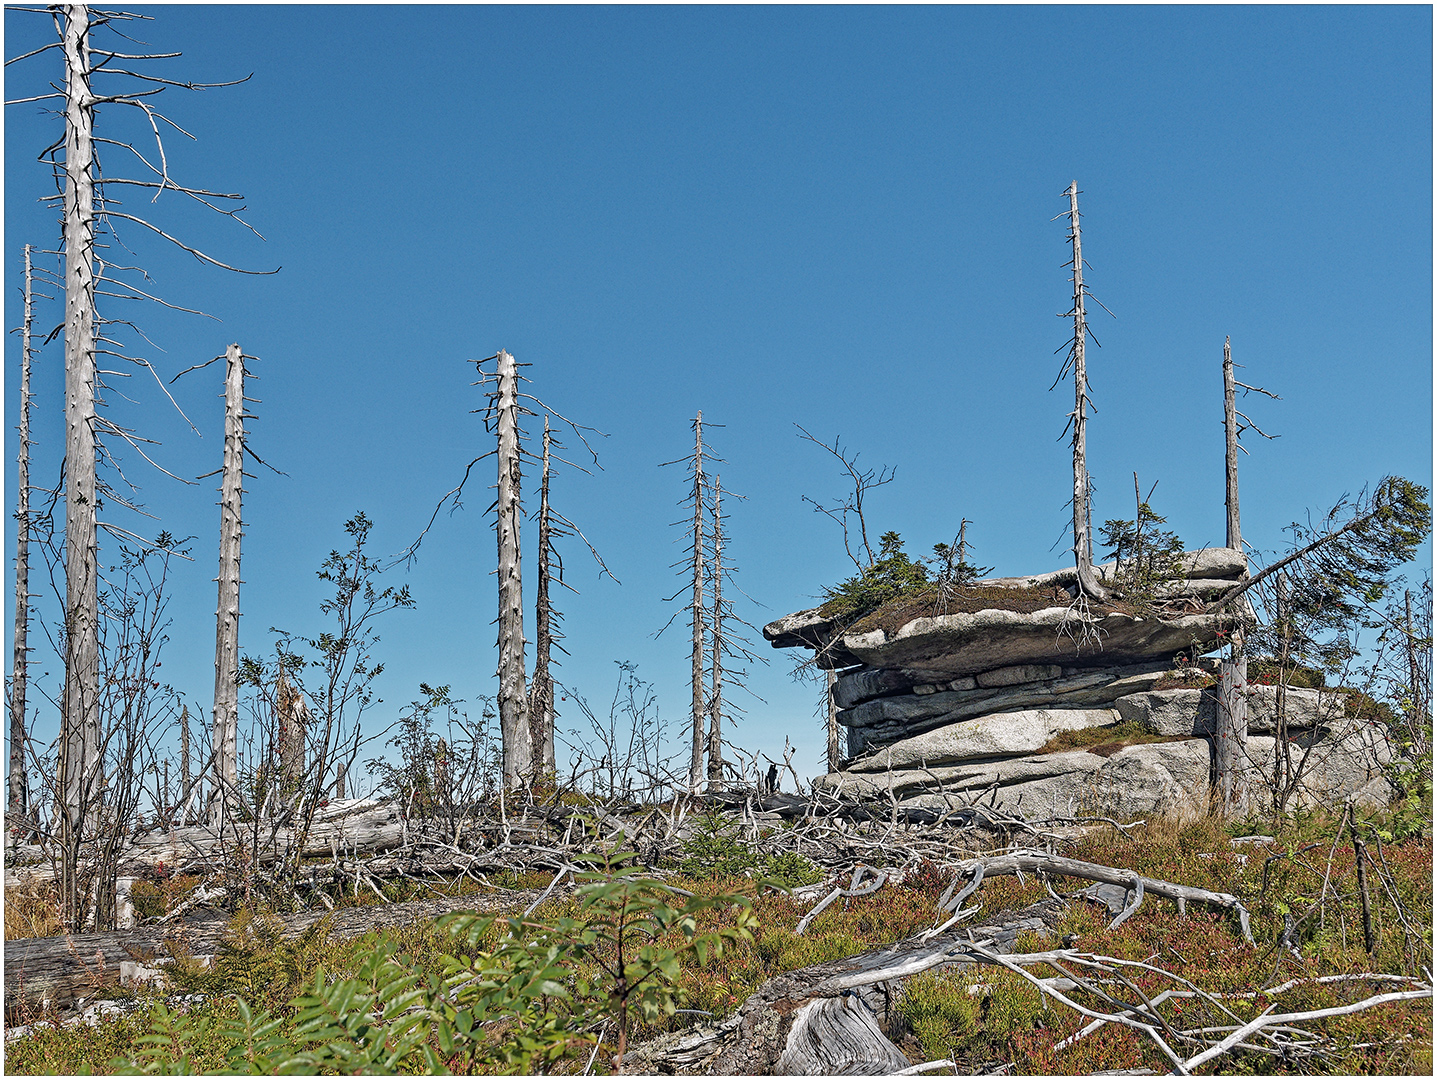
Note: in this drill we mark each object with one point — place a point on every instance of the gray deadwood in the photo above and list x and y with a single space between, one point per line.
716 673
696 609
513 701
1230 757
79 765
18 802
834 755
226 703
1082 487
541 687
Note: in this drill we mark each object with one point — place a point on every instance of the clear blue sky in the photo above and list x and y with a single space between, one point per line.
838 217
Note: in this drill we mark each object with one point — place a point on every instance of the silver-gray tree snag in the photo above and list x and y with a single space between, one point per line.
17 803
1088 581
1231 733
225 717
696 612
80 707
513 701
541 687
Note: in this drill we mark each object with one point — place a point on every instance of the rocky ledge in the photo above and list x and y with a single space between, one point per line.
948 710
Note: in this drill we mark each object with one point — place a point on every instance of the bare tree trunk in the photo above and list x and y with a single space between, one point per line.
80 714
715 769
19 790
1082 514
184 761
696 758
513 703
541 688
1232 715
294 717
835 757
1282 753
226 708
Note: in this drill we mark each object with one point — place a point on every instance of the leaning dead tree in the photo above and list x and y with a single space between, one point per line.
1088 582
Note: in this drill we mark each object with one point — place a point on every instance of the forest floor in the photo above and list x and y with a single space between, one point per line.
1298 880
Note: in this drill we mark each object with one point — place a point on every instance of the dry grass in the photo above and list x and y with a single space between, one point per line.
32 911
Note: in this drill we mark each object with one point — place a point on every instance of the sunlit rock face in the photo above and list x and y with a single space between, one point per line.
1068 711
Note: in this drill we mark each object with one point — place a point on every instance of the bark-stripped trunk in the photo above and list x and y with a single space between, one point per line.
715 769
1282 751
1231 734
80 714
227 613
184 762
696 608
541 687
19 793
513 703
1082 515
835 756
293 717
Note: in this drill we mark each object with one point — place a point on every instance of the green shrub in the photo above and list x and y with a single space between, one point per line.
714 850
893 574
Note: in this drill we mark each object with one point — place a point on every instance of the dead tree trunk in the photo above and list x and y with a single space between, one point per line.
1231 734
835 757
19 790
715 748
80 713
225 716
541 688
1082 488
513 702
696 609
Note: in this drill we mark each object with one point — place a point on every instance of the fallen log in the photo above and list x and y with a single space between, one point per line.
59 970
827 1019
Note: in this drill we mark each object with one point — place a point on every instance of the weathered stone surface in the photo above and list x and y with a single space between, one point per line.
866 684
1194 712
1350 764
1204 563
1019 673
965 643
1150 779
1013 733
889 719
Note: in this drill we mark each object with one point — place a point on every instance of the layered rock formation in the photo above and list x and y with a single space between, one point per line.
951 707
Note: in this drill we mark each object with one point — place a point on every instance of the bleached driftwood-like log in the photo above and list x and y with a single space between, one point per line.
356 825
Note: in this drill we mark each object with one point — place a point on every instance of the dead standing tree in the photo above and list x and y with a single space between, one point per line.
1088 584
552 526
697 535
1231 734
513 701
18 802
728 645
88 212
501 413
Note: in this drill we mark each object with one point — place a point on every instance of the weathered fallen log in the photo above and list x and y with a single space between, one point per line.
1041 862
64 968
825 1019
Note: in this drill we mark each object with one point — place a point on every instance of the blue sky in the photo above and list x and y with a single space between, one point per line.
837 217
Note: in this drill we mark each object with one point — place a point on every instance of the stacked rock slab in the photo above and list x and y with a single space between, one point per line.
955 709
